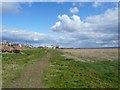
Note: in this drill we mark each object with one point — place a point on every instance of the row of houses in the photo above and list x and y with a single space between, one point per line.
14 44
23 45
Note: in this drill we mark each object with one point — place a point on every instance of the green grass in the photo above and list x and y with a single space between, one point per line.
68 73
14 64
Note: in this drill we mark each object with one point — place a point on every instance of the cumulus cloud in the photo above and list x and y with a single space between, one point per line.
66 23
56 26
98 30
96 4
105 22
74 10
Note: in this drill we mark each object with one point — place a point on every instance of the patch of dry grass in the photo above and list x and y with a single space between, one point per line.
89 54
108 51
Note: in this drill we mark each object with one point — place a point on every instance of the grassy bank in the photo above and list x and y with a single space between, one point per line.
67 73
14 64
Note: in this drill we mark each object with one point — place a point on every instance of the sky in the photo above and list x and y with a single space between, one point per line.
68 24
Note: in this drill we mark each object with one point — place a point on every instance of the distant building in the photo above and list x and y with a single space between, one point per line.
14 44
40 47
50 46
55 46
30 46
6 43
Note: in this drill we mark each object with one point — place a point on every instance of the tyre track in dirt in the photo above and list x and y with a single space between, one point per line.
32 76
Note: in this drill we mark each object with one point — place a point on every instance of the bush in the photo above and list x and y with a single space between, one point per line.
16 51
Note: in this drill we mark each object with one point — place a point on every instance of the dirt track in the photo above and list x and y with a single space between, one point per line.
32 75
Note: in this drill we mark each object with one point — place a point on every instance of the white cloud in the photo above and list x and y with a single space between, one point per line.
56 26
74 10
109 19
101 28
67 23
106 22
96 4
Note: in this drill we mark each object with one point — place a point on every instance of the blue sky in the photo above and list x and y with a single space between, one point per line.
69 24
